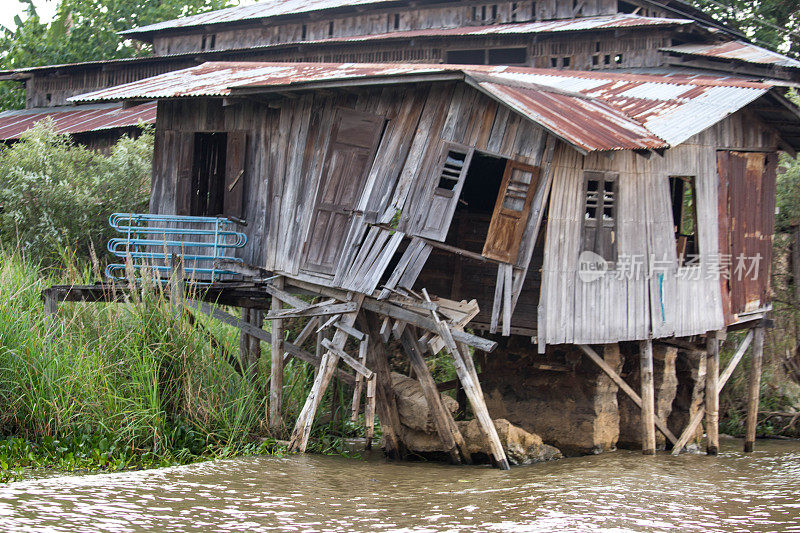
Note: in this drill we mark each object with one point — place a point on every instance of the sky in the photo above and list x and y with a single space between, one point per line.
10 8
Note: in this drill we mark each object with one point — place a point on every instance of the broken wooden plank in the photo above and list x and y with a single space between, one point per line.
350 330
231 320
321 309
347 358
446 427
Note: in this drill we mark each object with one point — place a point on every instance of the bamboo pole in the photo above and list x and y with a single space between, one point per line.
276 367
753 388
648 397
712 393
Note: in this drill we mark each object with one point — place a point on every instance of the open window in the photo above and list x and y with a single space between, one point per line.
599 233
211 178
480 202
684 216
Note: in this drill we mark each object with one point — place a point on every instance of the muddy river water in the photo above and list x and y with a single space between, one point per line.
619 491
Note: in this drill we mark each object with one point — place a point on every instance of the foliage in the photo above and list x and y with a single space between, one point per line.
132 385
771 23
57 194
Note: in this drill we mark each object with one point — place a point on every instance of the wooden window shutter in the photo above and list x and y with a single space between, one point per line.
181 144
511 211
451 170
600 214
233 203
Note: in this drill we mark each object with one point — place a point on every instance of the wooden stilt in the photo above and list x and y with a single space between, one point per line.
446 427
385 402
276 368
254 349
50 309
244 342
648 397
362 357
369 413
327 367
691 427
712 393
753 388
605 367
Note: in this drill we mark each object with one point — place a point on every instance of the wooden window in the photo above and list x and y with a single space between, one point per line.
684 216
508 56
566 61
303 32
466 57
599 233
494 12
330 29
396 21
451 169
520 182
513 11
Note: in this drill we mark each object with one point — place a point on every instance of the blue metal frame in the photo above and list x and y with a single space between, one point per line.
141 243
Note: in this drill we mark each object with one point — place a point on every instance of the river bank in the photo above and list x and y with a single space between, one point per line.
612 491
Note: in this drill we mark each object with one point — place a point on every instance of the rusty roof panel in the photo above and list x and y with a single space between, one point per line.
264 9
76 119
591 110
738 50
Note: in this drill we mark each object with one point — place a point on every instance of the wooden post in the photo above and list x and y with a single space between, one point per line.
327 367
648 397
446 427
363 347
276 367
385 401
254 348
50 309
712 393
244 343
753 388
369 413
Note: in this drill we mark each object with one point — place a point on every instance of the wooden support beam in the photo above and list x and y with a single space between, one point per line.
304 334
395 312
712 393
362 356
320 309
385 401
369 413
691 427
465 370
659 422
347 358
295 351
648 397
754 388
275 420
353 332
450 435
275 289
327 367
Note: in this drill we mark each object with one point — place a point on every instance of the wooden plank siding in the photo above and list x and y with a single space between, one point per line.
616 307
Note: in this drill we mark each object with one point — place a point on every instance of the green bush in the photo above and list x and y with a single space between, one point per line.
56 194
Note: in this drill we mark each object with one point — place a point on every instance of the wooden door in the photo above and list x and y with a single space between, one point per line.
451 171
354 139
511 211
746 226
234 174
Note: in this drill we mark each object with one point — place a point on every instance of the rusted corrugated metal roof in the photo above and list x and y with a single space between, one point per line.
594 111
737 50
264 9
76 119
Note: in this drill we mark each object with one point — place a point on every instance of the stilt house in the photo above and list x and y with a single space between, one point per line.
574 208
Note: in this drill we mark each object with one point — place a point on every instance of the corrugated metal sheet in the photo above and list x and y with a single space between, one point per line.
591 110
737 50
78 119
264 9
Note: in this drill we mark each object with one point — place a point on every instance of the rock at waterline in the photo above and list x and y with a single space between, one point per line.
419 433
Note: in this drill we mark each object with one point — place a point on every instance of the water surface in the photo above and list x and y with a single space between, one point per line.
619 491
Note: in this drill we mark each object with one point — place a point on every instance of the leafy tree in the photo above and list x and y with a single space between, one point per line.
774 24
84 30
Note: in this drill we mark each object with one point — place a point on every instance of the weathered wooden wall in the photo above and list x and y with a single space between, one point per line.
622 307
379 20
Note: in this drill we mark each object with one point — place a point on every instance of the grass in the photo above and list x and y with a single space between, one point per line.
130 385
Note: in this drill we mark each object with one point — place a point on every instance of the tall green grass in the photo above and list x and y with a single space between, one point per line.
136 378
